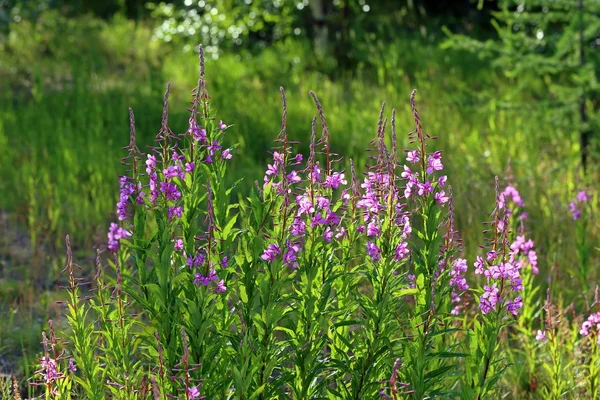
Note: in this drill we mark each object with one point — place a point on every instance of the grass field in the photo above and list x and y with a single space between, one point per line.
64 121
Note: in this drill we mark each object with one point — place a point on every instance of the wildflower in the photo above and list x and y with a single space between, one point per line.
72 366
328 234
189 167
402 251
224 262
479 264
201 280
193 392
226 155
373 229
434 162
175 211
170 190
373 251
293 177
335 180
583 196
513 306
178 157
49 369
271 252
291 255
127 188
115 234
489 298
298 227
593 324
541 335
458 281
214 146
441 197
222 126
198 133
150 164
220 288
575 212
178 245
413 156
173 171
512 193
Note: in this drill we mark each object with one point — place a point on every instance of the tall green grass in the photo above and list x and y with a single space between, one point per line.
63 122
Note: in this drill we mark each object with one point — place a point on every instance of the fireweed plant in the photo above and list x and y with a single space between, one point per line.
581 211
320 283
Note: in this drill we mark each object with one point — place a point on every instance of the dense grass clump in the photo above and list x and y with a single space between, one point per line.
329 278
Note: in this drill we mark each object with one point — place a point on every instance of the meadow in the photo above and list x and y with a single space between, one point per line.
64 122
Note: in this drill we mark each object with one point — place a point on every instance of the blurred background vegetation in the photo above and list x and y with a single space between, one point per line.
510 87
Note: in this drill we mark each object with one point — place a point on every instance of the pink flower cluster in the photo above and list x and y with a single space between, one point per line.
591 326
575 206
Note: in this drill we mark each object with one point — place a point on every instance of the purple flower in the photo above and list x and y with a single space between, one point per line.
214 146
541 335
170 190
196 260
373 251
271 169
193 392
335 180
593 324
441 197
72 366
583 196
434 162
201 280
49 370
489 298
222 126
442 180
173 171
293 177
115 234
575 212
512 193
402 251
189 167
198 134
177 156
127 188
178 245
225 262
373 229
298 227
513 306
457 280
291 255
413 156
220 288
479 265
175 211
271 252
226 155
150 164
328 234
305 205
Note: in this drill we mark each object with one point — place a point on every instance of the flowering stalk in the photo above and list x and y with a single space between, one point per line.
579 209
591 330
436 273
550 336
83 337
